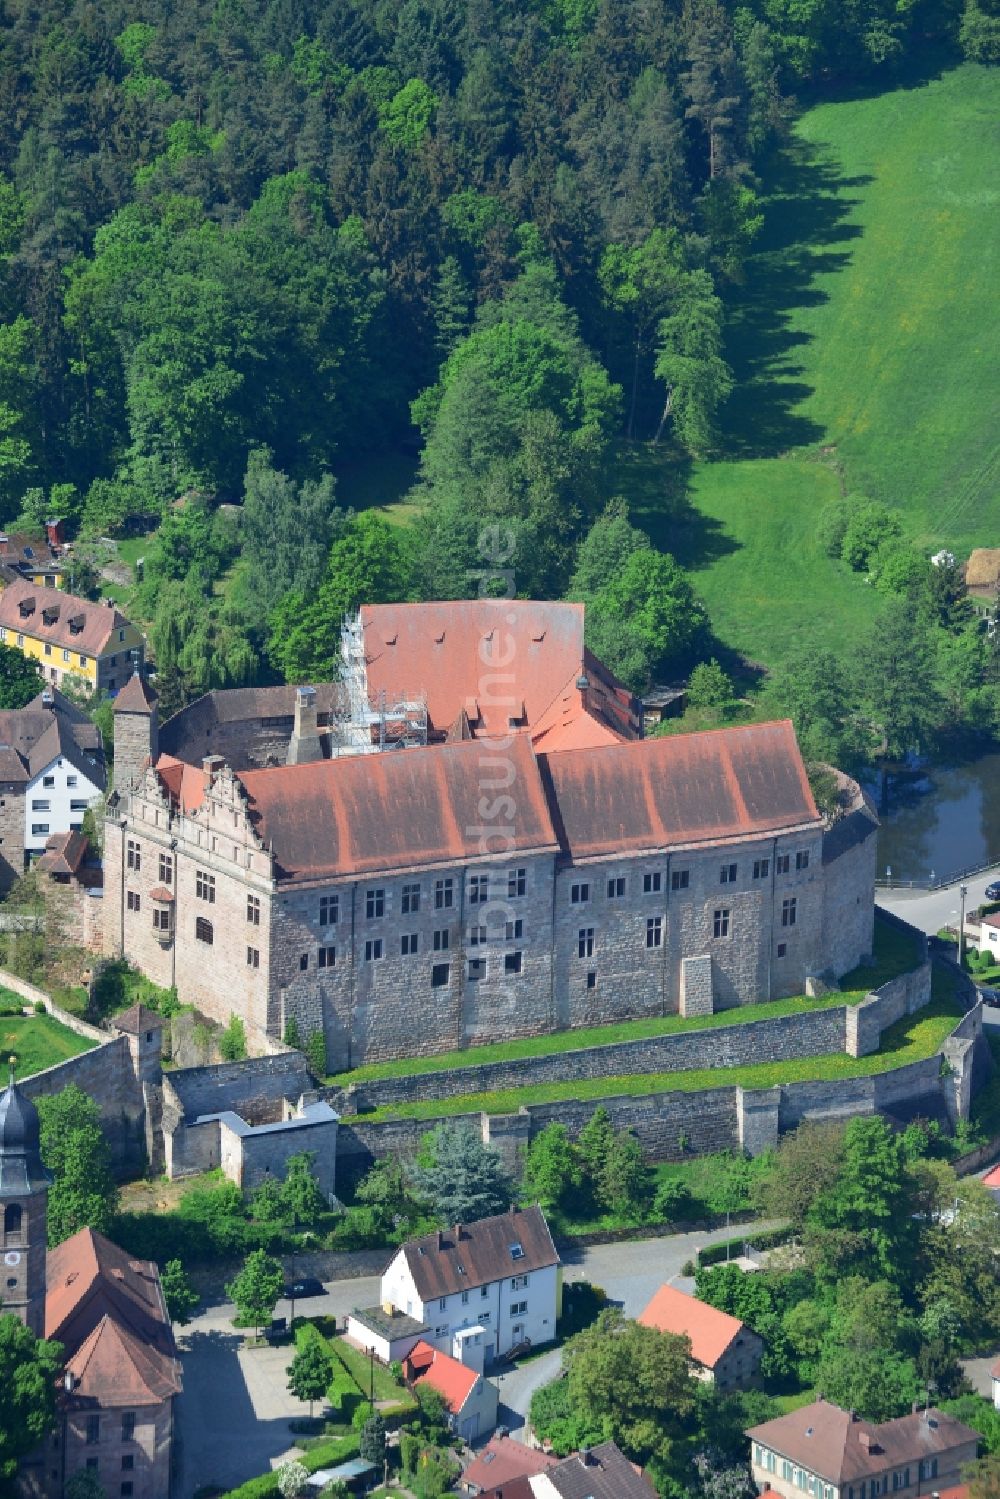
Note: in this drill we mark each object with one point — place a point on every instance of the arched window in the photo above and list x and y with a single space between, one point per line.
12 1221
203 930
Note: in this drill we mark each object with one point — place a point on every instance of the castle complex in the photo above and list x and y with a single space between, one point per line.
420 863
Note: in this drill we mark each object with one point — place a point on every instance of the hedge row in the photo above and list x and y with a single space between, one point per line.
344 1392
328 1455
712 1254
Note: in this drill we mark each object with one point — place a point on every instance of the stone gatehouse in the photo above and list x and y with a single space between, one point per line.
427 899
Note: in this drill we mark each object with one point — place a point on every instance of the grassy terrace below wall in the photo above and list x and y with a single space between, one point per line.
912 1039
37 1041
895 953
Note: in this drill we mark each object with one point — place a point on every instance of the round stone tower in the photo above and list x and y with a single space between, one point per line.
24 1188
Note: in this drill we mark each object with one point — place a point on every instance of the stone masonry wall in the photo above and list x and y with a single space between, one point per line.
784 1038
106 1075
11 833
882 1008
250 1087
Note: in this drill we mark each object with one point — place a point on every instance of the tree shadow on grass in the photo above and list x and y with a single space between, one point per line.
806 235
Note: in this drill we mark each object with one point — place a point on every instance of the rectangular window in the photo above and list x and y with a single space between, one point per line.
652 883
329 910
477 936
132 900
616 888
411 900
579 893
166 869
592 979
585 942
802 859
20 640
440 974
761 869
465 1298
303 962
133 854
38 805
518 1308
374 950
78 806
479 889
203 931
409 944
72 781
781 863
680 879
374 904
327 957
442 940
519 1282
727 874
253 957
517 882
782 949
93 1430
65 654
48 650
204 886
253 910
49 782
161 921
83 660
128 1461
720 923
443 1304
476 969
444 894
39 829
788 911
512 962
127 1489
514 930
654 931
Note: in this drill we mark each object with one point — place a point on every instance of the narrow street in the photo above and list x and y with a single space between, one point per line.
930 910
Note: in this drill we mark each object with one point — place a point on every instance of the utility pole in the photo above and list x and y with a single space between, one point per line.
963 891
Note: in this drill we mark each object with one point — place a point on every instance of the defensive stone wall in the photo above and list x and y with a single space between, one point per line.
676 1125
34 996
253 1087
883 1007
106 1075
785 1038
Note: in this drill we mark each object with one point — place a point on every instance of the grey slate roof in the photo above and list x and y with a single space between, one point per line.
602 1473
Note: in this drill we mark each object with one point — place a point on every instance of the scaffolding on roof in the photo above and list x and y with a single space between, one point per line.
373 724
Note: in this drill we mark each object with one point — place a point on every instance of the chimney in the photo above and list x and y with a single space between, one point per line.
586 1457
458 1233
440 1239
304 747
55 531
864 1438
211 765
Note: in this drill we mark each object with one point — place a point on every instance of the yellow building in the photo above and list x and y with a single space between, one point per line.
70 637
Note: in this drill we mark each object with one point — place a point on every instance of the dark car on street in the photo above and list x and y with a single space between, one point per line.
303 1289
993 891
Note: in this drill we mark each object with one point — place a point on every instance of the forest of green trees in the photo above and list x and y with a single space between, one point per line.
244 245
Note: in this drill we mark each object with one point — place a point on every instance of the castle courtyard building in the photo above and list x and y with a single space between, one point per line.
433 897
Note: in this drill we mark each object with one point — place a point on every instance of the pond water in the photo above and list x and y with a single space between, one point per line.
942 820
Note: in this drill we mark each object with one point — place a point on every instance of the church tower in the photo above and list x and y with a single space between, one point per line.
24 1188
137 731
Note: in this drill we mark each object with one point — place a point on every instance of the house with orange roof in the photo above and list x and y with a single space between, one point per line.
470 1399
723 1349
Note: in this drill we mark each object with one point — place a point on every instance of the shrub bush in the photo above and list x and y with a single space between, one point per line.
714 1254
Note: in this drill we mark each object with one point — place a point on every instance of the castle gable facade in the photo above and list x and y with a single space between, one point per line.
427 899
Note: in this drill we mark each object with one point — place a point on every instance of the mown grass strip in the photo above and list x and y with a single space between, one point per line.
912 1039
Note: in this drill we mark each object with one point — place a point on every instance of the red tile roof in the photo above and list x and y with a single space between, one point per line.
184 784
64 853
135 697
427 1365
709 1330
369 813
992 1177
98 621
502 1460
681 789
107 1310
497 660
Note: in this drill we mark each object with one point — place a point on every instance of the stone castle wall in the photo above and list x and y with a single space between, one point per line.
106 1075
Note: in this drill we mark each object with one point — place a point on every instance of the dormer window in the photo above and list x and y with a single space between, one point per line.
517 1251
76 625
51 614
26 608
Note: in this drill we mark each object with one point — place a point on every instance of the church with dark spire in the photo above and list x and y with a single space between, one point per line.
121 1375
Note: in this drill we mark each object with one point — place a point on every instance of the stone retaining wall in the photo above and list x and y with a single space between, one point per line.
784 1038
883 1007
33 996
106 1075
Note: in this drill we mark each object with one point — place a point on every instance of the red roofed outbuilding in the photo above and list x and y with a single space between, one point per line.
470 1398
723 1348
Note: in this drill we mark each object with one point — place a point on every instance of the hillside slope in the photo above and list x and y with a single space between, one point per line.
866 341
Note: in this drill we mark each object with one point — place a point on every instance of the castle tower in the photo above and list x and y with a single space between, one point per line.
137 731
24 1188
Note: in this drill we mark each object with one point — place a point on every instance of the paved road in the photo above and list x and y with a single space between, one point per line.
233 1415
930 910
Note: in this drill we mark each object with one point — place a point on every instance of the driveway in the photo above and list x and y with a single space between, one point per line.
930 910
232 1419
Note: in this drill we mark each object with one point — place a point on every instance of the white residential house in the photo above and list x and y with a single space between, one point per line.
989 935
57 796
470 1398
502 1274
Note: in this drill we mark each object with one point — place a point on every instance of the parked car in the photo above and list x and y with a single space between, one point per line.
993 891
303 1289
991 997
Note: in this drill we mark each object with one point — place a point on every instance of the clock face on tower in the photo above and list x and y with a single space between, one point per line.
12 1257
